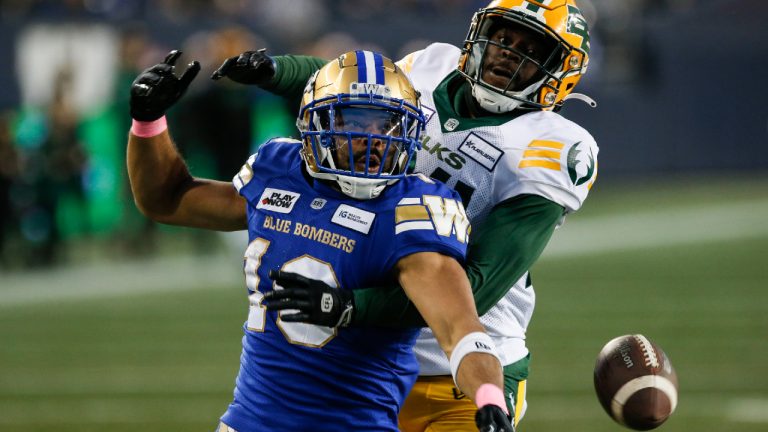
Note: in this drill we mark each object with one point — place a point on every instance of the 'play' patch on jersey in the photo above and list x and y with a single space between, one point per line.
481 151
277 200
353 218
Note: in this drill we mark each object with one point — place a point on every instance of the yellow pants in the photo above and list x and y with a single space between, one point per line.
224 428
436 405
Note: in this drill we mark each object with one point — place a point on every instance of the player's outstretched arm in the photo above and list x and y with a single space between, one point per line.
308 300
506 245
438 287
250 68
284 75
161 184
514 236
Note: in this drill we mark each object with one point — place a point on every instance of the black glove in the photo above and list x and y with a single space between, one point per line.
317 302
157 88
491 418
250 67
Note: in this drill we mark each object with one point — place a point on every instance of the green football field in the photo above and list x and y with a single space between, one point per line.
686 264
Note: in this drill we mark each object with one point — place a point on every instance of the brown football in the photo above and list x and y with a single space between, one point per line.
635 382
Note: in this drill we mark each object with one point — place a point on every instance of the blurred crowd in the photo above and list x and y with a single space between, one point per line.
62 175
63 128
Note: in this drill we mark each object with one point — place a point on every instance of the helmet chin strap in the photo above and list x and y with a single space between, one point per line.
355 187
492 101
360 188
495 102
582 97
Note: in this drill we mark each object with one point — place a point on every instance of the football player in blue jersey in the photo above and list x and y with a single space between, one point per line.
494 134
332 211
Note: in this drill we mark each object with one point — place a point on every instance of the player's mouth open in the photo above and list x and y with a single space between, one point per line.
502 72
373 164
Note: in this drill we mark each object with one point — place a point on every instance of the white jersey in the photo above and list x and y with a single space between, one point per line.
489 160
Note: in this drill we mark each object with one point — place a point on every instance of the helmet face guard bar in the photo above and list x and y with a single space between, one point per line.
333 141
326 132
545 69
546 77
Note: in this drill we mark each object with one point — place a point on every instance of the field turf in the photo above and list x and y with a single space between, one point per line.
685 264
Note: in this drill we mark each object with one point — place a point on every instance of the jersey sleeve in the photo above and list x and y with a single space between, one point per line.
429 218
559 164
427 67
274 158
291 75
245 175
507 245
501 251
406 63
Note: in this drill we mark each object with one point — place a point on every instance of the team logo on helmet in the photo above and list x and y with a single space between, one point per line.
577 25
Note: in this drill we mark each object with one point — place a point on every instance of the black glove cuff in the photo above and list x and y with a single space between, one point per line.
347 308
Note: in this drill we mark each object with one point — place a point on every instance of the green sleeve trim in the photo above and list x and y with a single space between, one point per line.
501 250
291 75
507 244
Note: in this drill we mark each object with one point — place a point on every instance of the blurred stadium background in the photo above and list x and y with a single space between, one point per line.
109 322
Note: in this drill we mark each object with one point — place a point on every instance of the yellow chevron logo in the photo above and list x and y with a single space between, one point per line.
542 154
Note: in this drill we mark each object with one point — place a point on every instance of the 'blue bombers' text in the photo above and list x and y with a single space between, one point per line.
310 232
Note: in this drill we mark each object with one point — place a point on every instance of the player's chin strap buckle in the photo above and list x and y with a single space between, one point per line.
582 97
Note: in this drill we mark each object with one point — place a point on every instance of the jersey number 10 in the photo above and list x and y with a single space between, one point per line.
305 265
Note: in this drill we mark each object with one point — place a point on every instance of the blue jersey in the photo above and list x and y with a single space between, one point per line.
294 375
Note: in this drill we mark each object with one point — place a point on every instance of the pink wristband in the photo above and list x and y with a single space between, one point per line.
490 394
147 129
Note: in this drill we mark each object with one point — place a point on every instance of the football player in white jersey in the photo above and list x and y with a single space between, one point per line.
494 135
333 211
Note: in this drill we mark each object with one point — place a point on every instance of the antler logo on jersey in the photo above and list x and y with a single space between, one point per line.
581 163
277 200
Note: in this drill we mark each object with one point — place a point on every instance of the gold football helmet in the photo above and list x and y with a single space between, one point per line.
559 59
360 123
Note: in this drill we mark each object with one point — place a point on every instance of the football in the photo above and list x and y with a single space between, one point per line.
635 382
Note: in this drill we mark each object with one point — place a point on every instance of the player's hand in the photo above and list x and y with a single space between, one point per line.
491 418
250 67
317 302
157 88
